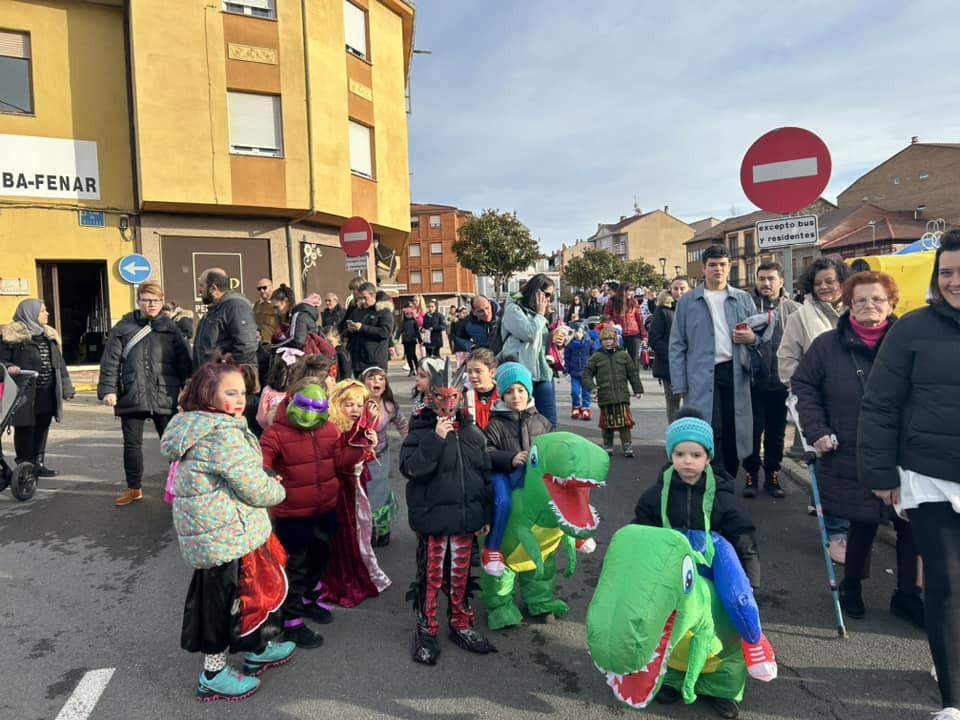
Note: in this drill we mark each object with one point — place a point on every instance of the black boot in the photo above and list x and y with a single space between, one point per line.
472 641
908 606
425 648
851 598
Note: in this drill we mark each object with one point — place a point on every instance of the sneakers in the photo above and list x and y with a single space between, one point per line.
575 414
750 486
585 414
493 562
303 636
609 450
908 606
472 641
772 484
628 450
44 471
722 706
227 684
585 546
273 654
851 598
129 496
760 659
838 549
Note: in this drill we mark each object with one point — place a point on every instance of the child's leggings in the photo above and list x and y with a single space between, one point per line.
460 546
578 395
307 542
503 485
625 437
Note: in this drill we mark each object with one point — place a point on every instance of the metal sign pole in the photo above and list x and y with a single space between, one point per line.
788 270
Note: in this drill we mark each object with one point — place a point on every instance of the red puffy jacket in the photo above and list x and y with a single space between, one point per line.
308 462
630 323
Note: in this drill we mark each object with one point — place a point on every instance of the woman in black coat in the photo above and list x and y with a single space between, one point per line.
409 335
829 383
28 343
659 337
141 375
910 451
433 326
575 310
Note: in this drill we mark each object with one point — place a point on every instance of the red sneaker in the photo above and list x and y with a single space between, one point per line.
760 659
493 562
585 414
575 414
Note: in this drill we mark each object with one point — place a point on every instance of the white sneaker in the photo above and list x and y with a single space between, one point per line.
950 713
586 546
838 549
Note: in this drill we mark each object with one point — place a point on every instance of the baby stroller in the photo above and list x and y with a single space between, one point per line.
21 479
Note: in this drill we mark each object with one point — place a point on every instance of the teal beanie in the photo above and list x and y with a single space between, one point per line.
688 429
510 373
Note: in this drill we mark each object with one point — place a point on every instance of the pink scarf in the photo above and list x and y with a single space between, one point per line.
870 335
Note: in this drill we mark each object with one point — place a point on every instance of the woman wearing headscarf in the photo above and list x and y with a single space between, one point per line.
28 343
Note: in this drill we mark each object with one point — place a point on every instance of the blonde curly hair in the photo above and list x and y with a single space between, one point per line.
343 392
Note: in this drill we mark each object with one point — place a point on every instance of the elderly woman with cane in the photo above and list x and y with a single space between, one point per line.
910 452
829 384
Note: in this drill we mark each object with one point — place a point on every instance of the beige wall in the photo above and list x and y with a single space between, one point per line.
658 235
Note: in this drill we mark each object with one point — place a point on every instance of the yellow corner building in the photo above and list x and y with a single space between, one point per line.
198 134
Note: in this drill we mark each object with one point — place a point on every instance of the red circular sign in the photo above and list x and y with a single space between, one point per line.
785 170
356 236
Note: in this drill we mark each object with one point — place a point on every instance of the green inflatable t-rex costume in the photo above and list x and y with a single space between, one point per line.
653 619
551 508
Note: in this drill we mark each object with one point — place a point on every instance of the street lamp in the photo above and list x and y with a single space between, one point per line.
873 232
663 269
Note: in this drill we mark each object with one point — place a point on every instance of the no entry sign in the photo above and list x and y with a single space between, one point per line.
356 236
785 170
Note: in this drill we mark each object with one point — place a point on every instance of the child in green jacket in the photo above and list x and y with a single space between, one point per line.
611 373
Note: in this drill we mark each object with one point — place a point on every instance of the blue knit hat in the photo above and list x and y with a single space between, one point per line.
689 429
510 373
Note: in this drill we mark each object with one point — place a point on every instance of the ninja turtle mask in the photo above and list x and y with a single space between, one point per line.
308 409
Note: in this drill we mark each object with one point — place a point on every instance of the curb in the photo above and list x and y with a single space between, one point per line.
799 475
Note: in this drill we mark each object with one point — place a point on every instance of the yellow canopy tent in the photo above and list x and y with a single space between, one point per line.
912 273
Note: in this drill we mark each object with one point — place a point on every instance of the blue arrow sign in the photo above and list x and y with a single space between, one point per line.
135 268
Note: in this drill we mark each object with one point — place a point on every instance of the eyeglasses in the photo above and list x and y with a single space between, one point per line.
862 302
263 287
548 295
150 301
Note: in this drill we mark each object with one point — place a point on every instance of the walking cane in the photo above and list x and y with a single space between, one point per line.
810 455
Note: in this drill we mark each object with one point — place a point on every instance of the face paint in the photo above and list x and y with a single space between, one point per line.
308 409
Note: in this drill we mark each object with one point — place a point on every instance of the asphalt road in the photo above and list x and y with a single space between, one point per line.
86 586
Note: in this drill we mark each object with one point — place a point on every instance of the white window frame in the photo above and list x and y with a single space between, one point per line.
355 30
436 277
16 46
361 149
415 222
416 277
435 221
411 252
249 139
436 248
254 8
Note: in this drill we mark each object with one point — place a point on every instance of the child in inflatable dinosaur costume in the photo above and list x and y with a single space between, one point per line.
674 611
550 509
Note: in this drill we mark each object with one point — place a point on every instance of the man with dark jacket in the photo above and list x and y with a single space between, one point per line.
768 397
228 325
481 328
595 303
333 312
145 364
368 328
659 333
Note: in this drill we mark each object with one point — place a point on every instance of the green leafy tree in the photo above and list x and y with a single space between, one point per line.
591 268
496 244
642 274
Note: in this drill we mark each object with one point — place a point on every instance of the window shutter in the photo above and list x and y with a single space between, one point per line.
355 27
255 121
361 159
16 45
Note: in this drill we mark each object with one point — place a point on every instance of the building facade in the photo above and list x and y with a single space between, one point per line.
429 266
647 236
238 134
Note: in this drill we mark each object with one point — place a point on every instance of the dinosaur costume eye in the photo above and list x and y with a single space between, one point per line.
688 576
533 456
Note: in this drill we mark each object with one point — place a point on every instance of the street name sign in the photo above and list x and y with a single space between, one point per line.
356 264
134 268
356 236
787 232
785 170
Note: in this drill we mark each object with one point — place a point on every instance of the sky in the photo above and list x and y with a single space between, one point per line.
571 113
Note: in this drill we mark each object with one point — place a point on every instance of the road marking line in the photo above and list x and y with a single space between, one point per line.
803 167
85 696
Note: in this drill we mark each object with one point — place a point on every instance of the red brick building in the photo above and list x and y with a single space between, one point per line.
429 266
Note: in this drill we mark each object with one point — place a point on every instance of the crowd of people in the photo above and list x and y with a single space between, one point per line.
273 415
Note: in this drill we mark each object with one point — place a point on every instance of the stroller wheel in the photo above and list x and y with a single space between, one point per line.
23 484
5 474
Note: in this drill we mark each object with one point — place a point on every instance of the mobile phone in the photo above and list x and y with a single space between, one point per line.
741 326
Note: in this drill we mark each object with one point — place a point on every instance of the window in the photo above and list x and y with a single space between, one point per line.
16 95
437 276
416 278
896 180
735 276
434 221
257 8
255 127
361 154
355 29
748 250
436 248
924 176
414 250
415 222
732 241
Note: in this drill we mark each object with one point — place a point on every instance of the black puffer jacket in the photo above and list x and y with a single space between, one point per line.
370 345
448 481
828 394
511 431
911 411
20 348
685 511
150 378
228 326
303 320
660 325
